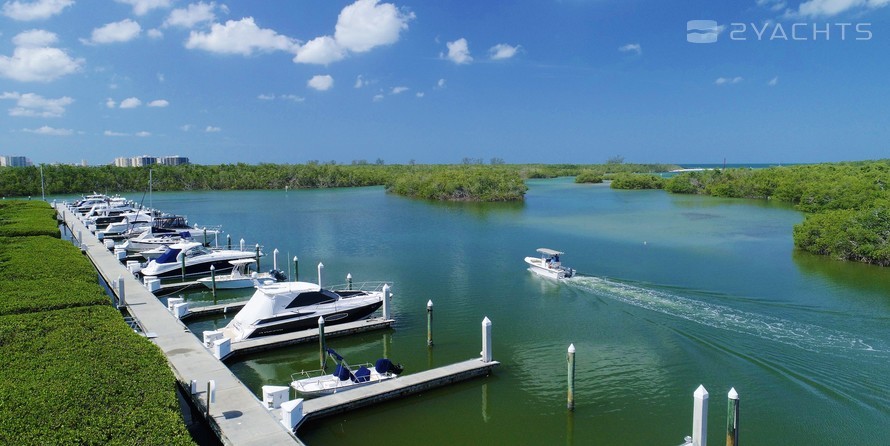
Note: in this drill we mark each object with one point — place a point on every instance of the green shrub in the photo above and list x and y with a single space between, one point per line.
637 181
589 176
22 218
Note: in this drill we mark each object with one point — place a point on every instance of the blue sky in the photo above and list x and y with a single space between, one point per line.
436 81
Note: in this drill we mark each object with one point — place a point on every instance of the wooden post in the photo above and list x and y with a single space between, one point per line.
321 342
348 281
320 266
732 418
258 257
386 295
213 282
700 417
571 372
296 269
486 339
229 241
429 323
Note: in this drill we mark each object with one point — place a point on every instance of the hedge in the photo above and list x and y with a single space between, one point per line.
22 218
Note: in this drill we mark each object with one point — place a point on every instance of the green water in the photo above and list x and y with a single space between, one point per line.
674 291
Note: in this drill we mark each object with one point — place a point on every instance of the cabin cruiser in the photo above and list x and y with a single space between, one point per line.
133 222
241 277
293 306
166 230
198 260
319 382
549 265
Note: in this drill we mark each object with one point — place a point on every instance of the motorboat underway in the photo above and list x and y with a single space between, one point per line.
241 277
549 265
198 260
345 377
286 307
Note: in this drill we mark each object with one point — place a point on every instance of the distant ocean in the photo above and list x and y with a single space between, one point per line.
734 166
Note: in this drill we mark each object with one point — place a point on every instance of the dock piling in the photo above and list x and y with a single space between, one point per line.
571 373
228 241
121 299
732 418
213 282
274 260
242 245
257 256
181 258
348 281
386 296
700 417
296 269
320 266
486 339
211 391
322 359
205 236
429 323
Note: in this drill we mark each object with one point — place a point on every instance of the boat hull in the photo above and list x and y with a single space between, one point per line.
309 321
537 266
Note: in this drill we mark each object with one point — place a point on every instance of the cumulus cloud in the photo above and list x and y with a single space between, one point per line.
110 103
459 51
47 130
502 51
440 83
154 33
242 37
399 90
361 27
360 82
631 48
212 129
114 32
266 97
193 14
773 5
35 106
143 134
33 60
321 82
35 10
160 103
142 7
829 8
377 97
728 80
186 127
131 103
420 94
111 133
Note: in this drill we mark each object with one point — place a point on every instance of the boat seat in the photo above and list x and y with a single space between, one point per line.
363 374
342 372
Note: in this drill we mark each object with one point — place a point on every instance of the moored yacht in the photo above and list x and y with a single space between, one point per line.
198 260
293 306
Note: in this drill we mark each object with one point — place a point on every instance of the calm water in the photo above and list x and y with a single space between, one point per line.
675 291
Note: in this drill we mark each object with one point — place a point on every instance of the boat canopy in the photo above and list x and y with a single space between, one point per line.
549 252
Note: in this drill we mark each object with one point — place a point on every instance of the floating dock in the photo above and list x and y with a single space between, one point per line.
394 388
213 310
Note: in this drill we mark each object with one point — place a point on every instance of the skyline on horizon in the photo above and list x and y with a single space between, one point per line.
566 81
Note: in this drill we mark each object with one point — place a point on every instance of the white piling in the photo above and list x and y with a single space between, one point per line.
121 298
732 418
700 417
242 244
296 269
320 266
571 372
349 281
193 387
429 323
292 413
486 340
321 343
211 395
274 259
386 296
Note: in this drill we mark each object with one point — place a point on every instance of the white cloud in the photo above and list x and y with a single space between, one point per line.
154 33
212 129
35 10
459 51
194 14
829 8
242 37
773 5
110 103
114 32
360 82
161 77
420 94
143 134
631 48
773 82
360 27
34 61
321 51
377 98
186 127
142 7
440 83
266 97
293 98
131 103
110 133
160 103
35 106
503 51
47 130
728 80
399 90
321 82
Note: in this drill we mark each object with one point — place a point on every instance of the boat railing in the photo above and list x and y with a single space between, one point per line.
319 373
369 286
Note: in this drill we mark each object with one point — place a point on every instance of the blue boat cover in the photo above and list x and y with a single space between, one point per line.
342 373
169 256
362 375
382 365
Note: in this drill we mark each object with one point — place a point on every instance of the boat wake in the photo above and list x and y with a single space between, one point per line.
802 335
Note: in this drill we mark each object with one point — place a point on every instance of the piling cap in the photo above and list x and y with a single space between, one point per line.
429 304
320 320
295 258
733 395
572 348
212 268
320 265
701 392
348 276
486 321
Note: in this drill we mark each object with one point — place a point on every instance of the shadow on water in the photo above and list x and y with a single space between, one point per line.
868 280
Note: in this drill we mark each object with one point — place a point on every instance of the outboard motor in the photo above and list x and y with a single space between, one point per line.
278 275
386 366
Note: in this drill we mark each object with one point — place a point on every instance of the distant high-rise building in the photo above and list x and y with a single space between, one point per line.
123 161
174 160
144 160
14 161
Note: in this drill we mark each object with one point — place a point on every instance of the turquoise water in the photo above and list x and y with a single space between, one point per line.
673 292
